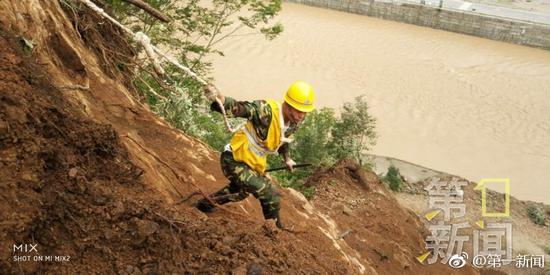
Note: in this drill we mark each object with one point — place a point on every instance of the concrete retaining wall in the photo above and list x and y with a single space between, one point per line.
496 28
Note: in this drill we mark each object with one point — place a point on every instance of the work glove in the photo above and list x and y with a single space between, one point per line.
211 92
289 164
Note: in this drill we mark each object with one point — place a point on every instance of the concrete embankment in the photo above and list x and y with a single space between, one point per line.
481 25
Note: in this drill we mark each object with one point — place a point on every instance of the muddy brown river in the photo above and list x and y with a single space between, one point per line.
469 106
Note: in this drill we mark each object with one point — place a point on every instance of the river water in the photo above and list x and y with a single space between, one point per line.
468 106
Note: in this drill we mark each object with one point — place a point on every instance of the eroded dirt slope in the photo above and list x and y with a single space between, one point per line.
89 172
68 186
370 221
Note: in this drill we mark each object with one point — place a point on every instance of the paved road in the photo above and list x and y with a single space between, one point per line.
488 9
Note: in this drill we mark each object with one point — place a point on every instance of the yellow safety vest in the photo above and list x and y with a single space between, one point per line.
247 147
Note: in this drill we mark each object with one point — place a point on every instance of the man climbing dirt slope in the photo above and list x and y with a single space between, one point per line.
267 131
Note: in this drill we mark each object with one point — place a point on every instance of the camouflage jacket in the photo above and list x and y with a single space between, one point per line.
259 113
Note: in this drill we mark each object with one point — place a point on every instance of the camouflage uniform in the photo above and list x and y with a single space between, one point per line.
243 179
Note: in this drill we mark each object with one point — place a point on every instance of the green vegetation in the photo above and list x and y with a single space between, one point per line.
354 133
536 214
393 179
179 110
195 31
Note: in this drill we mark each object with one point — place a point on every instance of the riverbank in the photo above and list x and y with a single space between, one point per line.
540 6
491 25
528 237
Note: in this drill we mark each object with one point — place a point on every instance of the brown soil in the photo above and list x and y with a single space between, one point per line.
372 222
528 238
68 186
89 172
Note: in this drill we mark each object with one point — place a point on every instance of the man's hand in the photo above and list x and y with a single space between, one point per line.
289 164
212 93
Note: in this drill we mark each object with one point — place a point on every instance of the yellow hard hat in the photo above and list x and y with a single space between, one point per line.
300 96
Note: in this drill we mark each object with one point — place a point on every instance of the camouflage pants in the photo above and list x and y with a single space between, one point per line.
244 181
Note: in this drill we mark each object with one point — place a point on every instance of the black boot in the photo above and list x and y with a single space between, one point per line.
204 206
279 223
276 217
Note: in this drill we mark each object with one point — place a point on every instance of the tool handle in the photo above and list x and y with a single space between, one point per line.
284 167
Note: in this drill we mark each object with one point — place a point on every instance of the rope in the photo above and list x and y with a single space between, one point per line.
152 51
145 41
104 14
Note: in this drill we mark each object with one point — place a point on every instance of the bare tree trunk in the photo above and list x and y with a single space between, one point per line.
150 10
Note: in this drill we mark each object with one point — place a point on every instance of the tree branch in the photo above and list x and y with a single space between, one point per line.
150 10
